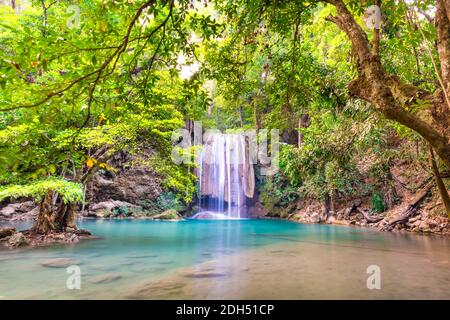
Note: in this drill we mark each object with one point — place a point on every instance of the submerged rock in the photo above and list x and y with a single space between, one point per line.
59 263
108 277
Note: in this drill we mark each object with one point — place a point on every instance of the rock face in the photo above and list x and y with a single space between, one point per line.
111 208
133 186
19 211
169 215
422 222
126 191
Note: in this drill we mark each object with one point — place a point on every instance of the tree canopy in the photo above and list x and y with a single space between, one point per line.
83 80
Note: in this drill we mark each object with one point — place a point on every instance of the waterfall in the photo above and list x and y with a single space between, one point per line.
225 177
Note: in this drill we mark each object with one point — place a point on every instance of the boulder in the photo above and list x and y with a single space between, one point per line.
169 215
106 209
73 238
331 219
6 232
29 215
314 218
82 232
17 240
7 211
110 205
16 208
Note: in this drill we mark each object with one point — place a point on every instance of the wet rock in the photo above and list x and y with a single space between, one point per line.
82 232
59 263
169 215
314 218
17 240
57 236
110 205
331 219
72 238
6 232
114 208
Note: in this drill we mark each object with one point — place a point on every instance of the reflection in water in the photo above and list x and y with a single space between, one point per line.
252 259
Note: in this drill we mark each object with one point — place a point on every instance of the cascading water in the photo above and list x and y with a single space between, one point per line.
225 176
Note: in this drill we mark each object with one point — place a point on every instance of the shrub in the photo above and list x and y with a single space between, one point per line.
378 203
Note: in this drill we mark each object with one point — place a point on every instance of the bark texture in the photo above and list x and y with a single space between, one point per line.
387 93
54 215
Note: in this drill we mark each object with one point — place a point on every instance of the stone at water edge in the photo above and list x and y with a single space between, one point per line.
17 208
6 232
17 240
170 214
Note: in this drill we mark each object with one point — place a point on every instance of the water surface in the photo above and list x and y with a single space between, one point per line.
240 259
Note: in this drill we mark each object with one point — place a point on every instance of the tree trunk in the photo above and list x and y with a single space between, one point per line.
439 183
256 116
52 218
326 207
377 87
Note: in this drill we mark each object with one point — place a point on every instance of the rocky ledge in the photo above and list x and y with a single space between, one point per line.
400 218
12 238
20 211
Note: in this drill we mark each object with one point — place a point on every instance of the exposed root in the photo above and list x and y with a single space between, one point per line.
410 211
370 218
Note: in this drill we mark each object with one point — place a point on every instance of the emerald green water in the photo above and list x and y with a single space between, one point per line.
231 259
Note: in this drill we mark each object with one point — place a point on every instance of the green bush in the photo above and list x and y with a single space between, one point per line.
277 191
169 200
378 203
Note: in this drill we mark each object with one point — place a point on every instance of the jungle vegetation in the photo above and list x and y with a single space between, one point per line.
81 80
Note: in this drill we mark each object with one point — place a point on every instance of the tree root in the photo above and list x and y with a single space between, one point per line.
370 218
410 211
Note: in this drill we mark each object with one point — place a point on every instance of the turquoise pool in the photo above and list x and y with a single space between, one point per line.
197 259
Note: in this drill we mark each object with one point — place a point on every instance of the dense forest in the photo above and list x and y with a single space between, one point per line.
91 89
